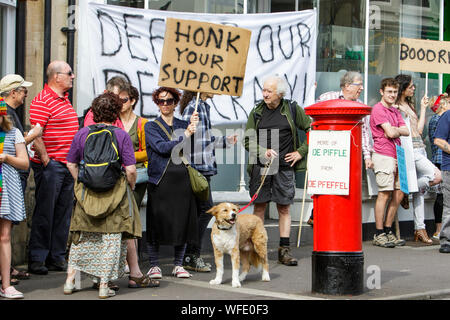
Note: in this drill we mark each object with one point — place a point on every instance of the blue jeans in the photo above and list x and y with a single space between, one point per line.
444 236
51 218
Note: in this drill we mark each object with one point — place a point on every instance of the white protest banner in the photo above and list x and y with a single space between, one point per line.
204 57
329 162
115 40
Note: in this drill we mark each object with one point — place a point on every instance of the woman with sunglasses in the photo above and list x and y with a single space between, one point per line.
427 173
171 209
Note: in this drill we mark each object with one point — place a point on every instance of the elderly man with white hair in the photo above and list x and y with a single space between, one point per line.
271 135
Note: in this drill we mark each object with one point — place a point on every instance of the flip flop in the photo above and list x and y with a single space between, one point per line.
12 281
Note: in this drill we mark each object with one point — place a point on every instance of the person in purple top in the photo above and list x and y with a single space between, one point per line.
98 243
387 125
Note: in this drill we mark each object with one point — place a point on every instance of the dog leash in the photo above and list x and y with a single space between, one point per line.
263 178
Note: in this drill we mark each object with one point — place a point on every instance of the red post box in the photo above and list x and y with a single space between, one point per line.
338 259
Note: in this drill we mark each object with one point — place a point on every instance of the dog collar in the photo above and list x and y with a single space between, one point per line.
224 228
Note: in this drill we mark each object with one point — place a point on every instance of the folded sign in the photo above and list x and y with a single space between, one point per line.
424 55
205 57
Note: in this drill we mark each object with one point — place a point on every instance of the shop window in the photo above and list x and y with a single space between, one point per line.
340 42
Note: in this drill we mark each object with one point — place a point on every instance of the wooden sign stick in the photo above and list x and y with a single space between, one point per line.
196 101
303 207
426 84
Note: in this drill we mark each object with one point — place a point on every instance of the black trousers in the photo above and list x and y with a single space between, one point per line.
51 218
203 220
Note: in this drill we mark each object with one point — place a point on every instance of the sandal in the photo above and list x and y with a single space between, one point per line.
143 282
20 275
12 281
111 285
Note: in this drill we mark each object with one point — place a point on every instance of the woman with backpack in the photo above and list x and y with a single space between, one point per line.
171 209
13 155
102 220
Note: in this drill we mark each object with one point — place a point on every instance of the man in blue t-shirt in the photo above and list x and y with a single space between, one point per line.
442 140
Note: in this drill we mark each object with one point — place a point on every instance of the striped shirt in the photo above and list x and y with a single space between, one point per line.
59 120
367 141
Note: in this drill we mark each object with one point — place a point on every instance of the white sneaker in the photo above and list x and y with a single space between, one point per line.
11 293
154 273
179 272
436 236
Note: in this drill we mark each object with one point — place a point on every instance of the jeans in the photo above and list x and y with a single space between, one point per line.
51 218
425 170
203 220
444 236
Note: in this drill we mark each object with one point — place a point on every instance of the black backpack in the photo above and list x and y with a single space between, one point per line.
101 166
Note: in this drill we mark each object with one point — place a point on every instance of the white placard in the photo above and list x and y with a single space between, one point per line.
329 162
115 40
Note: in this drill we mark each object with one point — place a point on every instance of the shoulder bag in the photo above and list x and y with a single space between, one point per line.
199 184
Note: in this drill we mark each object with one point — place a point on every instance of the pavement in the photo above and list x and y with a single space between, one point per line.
411 272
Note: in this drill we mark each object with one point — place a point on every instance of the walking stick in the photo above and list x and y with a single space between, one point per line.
303 207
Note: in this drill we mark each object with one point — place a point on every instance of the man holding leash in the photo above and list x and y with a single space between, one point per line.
272 138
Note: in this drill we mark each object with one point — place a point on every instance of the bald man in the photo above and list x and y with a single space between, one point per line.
52 110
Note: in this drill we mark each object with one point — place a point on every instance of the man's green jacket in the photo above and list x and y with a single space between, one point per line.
302 122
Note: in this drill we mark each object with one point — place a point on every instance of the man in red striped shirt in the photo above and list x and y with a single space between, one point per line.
52 109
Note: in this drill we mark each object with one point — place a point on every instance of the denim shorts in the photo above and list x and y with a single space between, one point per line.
278 187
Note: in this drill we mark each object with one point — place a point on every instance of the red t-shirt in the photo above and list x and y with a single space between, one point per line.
59 121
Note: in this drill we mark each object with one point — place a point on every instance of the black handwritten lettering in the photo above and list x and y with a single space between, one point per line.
433 54
218 112
290 86
203 59
152 37
235 102
215 80
101 14
204 78
259 41
131 35
237 79
164 69
191 57
215 60
304 42
212 33
196 32
179 33
175 76
412 53
179 52
230 42
191 75
144 94
404 51
287 57
441 56
225 83
109 73
420 54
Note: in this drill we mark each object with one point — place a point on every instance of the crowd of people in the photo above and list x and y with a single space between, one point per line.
91 173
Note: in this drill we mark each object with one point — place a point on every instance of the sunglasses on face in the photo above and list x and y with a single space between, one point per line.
124 100
167 102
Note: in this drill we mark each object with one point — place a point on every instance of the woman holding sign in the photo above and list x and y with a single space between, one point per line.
202 159
171 209
427 173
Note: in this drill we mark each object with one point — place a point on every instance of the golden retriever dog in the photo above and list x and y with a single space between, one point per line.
241 236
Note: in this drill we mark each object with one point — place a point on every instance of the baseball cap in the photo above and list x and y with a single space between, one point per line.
13 81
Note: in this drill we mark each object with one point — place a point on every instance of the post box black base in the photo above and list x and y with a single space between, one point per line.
338 273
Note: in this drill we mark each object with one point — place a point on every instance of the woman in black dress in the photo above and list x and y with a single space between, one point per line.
171 209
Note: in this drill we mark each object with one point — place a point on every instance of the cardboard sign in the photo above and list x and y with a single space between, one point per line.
204 57
424 55
329 162
401 164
